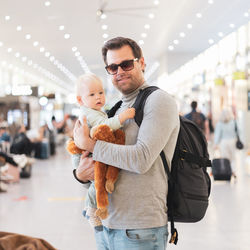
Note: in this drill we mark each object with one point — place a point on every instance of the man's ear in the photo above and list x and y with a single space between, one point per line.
79 100
142 63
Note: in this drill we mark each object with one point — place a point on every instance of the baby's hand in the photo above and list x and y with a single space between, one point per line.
130 113
127 114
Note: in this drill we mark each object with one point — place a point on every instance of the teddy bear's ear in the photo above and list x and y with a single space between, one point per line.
72 148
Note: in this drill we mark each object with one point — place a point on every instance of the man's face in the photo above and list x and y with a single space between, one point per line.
126 81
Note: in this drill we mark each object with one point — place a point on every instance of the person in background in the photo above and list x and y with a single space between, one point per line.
4 134
21 144
137 209
225 137
199 119
4 137
60 126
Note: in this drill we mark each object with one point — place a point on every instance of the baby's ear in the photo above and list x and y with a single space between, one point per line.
79 100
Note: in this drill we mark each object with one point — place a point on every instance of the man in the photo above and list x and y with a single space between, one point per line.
198 118
137 207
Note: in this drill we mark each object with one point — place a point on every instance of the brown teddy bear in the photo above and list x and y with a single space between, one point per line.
105 176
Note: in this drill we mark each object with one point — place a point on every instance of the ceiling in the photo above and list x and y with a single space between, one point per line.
124 18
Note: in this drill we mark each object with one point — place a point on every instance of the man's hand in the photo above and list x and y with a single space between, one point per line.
85 170
81 136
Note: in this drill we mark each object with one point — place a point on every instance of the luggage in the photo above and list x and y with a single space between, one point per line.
221 169
26 171
44 151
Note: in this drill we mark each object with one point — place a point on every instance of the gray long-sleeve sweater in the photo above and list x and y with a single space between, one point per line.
139 198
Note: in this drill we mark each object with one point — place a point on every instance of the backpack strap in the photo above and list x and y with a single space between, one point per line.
113 110
140 103
201 161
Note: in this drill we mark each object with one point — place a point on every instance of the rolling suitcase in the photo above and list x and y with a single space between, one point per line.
26 171
221 169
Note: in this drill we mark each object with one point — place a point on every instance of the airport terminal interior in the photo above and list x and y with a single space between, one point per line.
196 51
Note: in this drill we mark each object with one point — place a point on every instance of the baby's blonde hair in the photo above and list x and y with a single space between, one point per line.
88 77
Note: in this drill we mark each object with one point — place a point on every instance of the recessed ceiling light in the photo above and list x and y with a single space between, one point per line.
151 15
176 41
19 28
67 36
61 27
35 43
74 49
171 47
141 42
7 18
147 26
17 54
246 14
105 35
1 44
220 34
42 49
104 26
47 3
28 36
156 2
231 25
9 50
182 34
103 16
210 1
199 15
144 35
210 41
189 26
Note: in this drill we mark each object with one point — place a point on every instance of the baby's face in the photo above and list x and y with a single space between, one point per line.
93 95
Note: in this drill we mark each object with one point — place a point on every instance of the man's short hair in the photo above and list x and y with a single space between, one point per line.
119 42
193 104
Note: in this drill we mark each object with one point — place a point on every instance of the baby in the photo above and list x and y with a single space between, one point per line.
91 98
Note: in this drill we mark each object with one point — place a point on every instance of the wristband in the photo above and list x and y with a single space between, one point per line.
74 173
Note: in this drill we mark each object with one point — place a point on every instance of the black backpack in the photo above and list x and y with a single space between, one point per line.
197 118
189 184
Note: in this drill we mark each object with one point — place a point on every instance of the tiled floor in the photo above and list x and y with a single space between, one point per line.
49 205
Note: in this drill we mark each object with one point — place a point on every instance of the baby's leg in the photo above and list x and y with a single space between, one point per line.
90 209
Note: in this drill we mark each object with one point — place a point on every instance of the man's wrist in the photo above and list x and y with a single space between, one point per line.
75 175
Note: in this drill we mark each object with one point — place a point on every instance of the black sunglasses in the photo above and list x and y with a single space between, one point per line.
126 65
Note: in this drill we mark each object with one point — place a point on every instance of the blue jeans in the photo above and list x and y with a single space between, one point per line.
132 239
